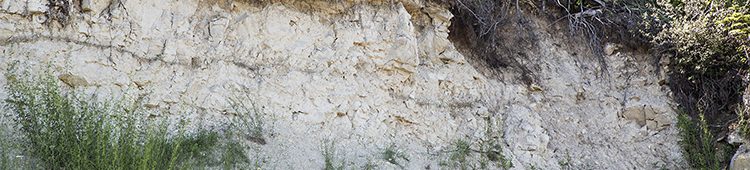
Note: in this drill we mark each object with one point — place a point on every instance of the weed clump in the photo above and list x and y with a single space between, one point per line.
461 151
488 150
62 131
697 143
249 118
329 162
393 155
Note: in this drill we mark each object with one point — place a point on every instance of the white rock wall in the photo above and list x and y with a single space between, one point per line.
364 75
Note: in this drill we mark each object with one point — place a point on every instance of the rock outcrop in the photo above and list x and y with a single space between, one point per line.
361 74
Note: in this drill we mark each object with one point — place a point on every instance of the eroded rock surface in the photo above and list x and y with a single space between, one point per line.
365 75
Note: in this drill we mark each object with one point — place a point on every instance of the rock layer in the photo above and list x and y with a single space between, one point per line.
363 75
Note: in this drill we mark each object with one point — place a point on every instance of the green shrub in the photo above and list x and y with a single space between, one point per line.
63 131
737 25
697 143
461 150
700 33
708 43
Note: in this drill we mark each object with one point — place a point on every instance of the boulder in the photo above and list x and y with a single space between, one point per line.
741 159
73 80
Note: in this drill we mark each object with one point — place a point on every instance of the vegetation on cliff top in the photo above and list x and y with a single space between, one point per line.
707 43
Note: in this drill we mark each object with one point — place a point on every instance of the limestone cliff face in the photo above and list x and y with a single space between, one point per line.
365 75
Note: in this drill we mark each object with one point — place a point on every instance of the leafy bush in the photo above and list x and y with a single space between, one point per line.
708 46
708 37
707 42
63 131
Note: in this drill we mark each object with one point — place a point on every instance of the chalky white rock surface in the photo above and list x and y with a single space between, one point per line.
364 75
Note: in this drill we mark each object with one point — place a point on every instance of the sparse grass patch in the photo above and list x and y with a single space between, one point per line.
329 150
4 162
492 150
392 155
249 118
565 163
743 122
64 131
9 156
488 149
4 144
460 151
234 155
697 143
369 166
4 152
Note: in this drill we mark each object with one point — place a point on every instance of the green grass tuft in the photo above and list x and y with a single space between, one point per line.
249 118
233 152
743 122
492 150
489 151
328 157
393 155
461 151
697 143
